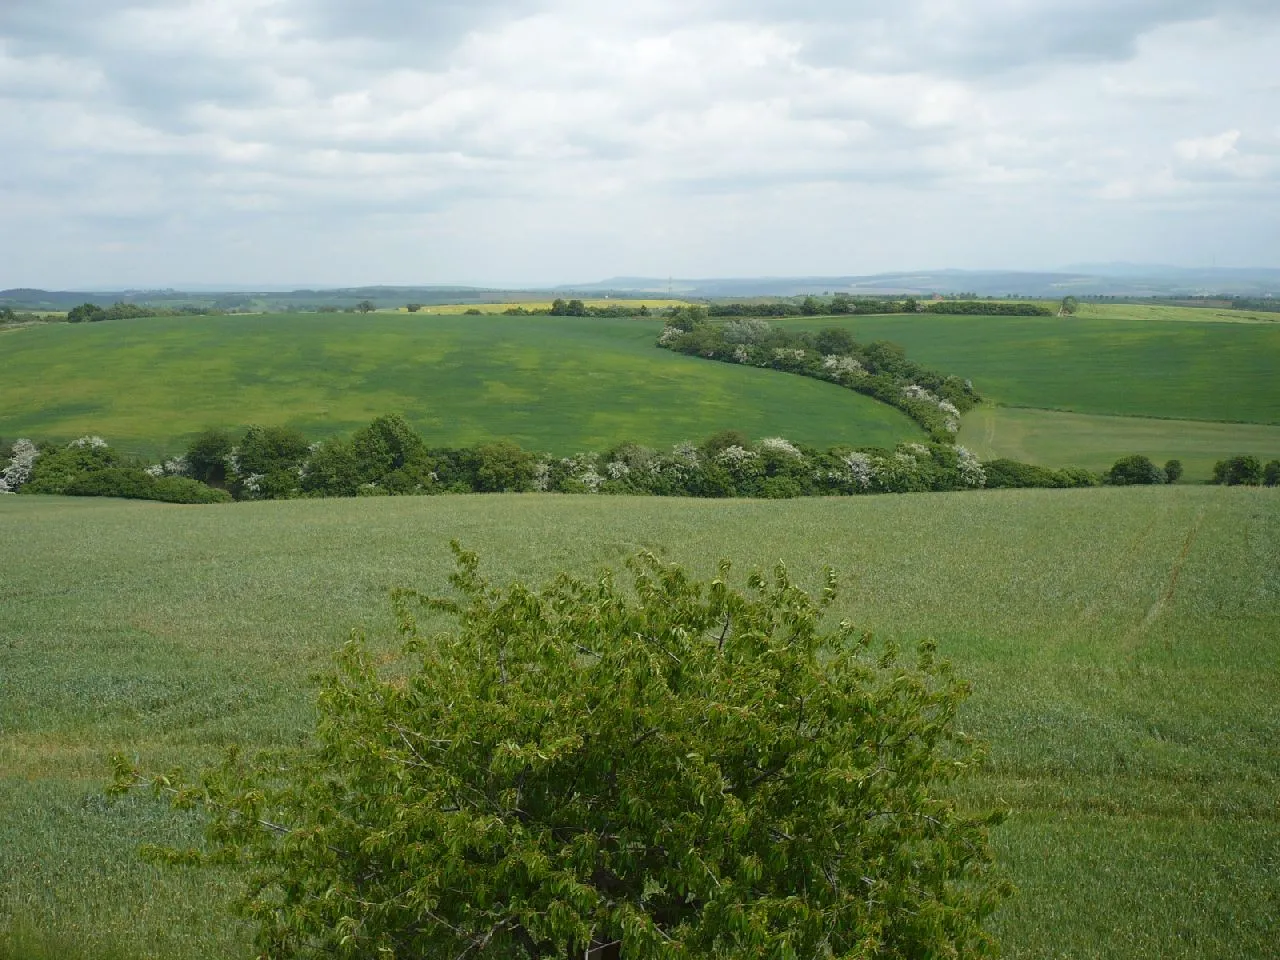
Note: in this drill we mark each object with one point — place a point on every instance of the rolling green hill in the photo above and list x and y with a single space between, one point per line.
1123 645
1112 367
559 384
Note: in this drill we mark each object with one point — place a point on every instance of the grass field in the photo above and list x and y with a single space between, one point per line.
1124 646
1138 368
1057 439
558 384
1170 312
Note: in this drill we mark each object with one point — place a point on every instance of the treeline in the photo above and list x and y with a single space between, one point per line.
880 369
388 458
842 304
92 313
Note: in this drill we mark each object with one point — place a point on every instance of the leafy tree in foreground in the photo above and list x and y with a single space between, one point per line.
1173 471
1271 474
691 770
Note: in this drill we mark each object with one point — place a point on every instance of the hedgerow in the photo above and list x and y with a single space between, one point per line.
880 370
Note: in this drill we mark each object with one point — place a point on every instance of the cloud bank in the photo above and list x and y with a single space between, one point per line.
536 141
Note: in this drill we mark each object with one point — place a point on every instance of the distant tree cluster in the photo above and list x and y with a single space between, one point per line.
1246 470
92 313
880 369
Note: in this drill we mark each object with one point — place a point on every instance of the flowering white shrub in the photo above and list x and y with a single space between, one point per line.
780 445
788 353
735 454
840 366
253 484
917 392
177 467
616 470
862 469
917 449
669 336
686 452
233 461
541 476
22 462
751 330
155 470
591 480
946 406
88 443
741 354
970 468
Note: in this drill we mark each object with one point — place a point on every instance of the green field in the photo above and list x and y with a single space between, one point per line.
1124 646
1058 439
558 384
1160 311
1136 368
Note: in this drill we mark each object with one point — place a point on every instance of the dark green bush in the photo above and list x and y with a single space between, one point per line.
1173 471
57 468
134 484
1004 473
207 457
1240 470
1135 470
1271 474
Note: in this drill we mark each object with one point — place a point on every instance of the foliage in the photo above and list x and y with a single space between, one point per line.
413 307
1008 474
1173 471
135 484
58 468
207 457
1135 469
1271 473
1240 470
86 312
689 769
880 370
1070 307
267 463
988 308
365 306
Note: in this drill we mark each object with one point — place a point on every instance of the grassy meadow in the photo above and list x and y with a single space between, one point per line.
559 384
1109 367
1123 645
1057 439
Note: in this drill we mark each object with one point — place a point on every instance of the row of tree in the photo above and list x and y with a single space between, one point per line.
879 369
388 457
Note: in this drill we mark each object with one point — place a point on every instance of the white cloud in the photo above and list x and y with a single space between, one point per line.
527 140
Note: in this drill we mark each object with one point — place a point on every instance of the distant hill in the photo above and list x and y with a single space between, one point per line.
1118 280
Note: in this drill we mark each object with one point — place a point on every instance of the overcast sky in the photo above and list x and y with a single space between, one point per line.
335 142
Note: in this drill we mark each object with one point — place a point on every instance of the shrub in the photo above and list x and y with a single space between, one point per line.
1135 470
1005 474
1271 474
502 467
207 457
134 484
57 468
688 769
1239 470
268 463
86 312
385 445
1173 471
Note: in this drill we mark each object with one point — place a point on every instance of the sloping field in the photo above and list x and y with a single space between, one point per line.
1123 644
558 384
1113 367
1057 439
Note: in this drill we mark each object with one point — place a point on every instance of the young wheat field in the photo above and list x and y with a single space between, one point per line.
1123 646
